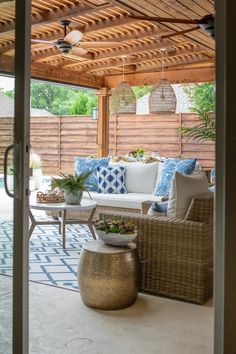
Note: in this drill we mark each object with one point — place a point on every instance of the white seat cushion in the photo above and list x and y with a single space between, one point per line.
140 177
129 200
183 189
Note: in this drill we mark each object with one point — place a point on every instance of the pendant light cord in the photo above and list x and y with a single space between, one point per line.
162 66
123 69
162 75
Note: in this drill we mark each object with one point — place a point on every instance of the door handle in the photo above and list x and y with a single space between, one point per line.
8 149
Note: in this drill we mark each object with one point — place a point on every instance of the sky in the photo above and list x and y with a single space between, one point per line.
6 83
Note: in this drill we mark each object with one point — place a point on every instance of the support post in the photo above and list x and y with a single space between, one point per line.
225 221
103 122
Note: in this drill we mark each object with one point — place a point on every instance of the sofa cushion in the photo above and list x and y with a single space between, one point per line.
183 189
129 200
111 180
170 166
83 164
140 177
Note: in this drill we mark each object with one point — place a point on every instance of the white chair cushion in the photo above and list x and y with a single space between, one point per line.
129 200
183 189
140 177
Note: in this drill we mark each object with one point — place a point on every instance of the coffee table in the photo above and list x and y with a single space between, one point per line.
62 208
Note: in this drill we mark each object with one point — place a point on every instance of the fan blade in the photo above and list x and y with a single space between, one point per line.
73 37
79 51
166 19
42 41
98 44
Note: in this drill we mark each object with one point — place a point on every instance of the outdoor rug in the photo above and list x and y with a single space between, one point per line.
48 262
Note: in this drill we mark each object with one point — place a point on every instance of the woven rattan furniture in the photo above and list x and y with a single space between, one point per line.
176 254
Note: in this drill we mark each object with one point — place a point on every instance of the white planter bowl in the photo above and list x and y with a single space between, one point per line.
115 239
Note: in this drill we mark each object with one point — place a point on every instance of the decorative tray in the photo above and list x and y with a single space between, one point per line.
51 197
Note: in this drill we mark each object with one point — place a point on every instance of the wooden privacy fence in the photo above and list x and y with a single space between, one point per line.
59 139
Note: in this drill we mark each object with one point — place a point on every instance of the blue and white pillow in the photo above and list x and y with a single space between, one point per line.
111 180
170 166
83 164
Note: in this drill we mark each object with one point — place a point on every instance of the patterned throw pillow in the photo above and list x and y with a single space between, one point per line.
170 166
83 164
111 180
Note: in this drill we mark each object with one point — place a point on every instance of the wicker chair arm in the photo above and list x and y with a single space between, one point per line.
160 222
145 206
201 208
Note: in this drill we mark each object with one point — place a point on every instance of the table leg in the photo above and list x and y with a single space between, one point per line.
60 223
63 221
91 228
90 223
33 223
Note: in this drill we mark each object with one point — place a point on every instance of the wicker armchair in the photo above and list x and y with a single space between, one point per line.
176 255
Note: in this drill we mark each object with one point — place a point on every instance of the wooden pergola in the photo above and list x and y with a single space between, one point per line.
189 54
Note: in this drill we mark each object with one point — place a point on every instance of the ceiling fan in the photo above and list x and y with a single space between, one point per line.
71 43
206 23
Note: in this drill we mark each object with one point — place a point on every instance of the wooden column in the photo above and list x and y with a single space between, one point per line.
103 122
225 224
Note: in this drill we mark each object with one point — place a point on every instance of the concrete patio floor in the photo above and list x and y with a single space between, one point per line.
61 324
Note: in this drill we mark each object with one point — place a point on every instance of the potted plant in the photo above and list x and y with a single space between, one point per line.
138 154
36 166
115 231
73 186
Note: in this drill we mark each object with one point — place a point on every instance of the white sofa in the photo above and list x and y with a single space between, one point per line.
140 181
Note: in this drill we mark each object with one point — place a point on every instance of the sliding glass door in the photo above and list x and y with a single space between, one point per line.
15 21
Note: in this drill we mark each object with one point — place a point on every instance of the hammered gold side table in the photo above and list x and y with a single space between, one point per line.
108 276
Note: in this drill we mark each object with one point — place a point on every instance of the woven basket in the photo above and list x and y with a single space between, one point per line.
123 99
162 98
48 198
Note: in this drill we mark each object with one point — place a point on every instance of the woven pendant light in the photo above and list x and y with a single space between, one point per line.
162 98
122 98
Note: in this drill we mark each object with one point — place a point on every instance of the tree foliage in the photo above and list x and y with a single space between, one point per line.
84 103
141 91
202 96
60 100
203 99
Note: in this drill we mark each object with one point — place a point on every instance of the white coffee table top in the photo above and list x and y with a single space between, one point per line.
85 204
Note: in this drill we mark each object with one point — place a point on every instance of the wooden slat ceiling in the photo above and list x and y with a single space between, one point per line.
98 20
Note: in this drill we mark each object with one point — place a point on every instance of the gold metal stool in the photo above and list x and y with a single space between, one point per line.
108 276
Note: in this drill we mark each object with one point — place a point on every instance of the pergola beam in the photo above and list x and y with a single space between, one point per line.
145 58
55 74
55 15
139 48
173 76
51 52
177 64
99 25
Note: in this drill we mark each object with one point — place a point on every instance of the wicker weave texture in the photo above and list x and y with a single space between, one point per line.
123 99
83 214
176 255
162 98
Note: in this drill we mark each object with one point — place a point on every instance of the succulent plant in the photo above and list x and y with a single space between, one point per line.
115 225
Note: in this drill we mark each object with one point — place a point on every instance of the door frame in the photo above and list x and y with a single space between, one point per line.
21 153
225 222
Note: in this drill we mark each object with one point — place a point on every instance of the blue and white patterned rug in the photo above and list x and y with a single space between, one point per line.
48 262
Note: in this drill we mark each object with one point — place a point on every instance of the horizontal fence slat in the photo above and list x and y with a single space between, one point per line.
59 139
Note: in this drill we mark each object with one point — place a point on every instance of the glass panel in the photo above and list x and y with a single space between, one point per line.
7 117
